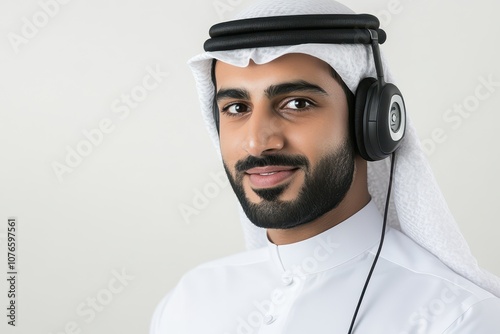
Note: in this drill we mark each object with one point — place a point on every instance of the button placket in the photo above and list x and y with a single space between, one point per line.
269 319
287 278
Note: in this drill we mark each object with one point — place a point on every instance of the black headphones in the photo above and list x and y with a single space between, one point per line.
379 110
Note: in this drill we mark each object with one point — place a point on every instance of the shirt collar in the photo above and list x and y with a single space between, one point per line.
331 248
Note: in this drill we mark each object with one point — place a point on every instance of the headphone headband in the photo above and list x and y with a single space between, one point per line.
293 30
292 37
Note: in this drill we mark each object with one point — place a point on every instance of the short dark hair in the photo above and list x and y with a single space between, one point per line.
350 104
349 95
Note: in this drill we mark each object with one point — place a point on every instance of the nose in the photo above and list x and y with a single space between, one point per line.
264 132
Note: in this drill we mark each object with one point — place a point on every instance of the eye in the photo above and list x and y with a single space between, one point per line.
235 109
298 104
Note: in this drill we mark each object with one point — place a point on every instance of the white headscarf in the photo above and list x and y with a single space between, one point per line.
418 208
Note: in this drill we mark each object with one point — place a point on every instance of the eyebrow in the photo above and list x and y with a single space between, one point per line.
232 93
272 91
292 87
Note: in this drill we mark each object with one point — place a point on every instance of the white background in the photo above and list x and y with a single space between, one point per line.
119 209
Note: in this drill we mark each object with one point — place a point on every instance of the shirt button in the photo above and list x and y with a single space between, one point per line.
269 319
287 280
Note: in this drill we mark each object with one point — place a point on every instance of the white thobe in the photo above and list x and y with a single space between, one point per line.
313 287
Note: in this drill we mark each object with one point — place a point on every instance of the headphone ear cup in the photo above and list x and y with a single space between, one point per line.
391 121
359 115
379 119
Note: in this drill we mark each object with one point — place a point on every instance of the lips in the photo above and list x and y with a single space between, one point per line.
269 176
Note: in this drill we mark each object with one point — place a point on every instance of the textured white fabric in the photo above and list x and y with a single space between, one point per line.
418 209
313 286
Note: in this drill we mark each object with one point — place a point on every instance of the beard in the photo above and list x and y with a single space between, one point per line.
325 186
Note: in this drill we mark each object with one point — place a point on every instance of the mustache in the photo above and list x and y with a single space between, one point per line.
272 160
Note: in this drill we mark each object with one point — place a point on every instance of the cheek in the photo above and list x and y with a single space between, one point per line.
318 138
230 147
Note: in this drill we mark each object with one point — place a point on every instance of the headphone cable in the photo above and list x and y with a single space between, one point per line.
384 224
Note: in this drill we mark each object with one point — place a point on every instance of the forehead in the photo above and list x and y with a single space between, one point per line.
289 67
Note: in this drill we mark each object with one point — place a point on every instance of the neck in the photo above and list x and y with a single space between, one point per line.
356 198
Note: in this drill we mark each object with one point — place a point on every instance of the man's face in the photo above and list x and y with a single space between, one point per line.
284 139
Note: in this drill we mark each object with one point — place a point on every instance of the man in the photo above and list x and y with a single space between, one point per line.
286 139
